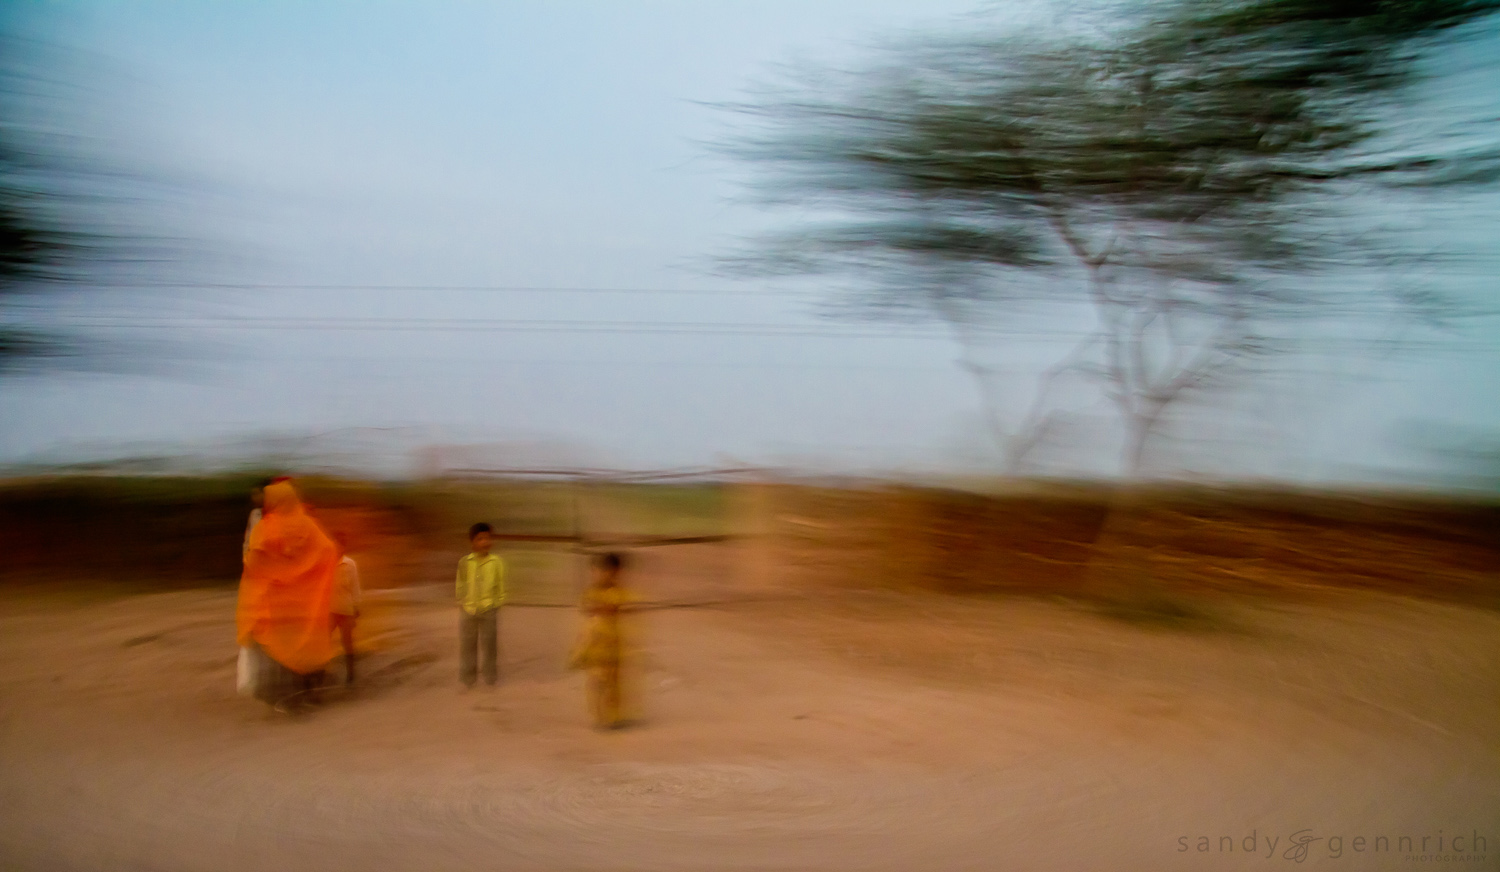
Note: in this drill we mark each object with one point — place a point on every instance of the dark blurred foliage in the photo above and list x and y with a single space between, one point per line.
1190 169
34 248
71 217
181 529
168 528
27 247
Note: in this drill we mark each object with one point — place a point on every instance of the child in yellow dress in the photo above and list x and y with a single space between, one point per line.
599 649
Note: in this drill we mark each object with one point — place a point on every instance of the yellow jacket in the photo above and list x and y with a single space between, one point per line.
480 586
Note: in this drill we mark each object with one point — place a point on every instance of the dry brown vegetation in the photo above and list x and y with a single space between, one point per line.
1182 540
1039 540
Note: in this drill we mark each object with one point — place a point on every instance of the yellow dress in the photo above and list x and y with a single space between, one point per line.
599 651
600 643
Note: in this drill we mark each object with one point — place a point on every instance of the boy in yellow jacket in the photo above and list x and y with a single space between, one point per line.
480 589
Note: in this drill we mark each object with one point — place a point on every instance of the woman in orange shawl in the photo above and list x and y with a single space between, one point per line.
284 596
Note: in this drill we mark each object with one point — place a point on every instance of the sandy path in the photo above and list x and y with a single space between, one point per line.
875 732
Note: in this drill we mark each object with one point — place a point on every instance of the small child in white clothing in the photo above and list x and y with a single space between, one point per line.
344 606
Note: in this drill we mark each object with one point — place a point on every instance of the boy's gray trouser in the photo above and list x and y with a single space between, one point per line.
478 638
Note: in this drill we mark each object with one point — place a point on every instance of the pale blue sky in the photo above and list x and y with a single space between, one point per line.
552 145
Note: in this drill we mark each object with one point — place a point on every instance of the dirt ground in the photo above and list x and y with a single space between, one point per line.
845 731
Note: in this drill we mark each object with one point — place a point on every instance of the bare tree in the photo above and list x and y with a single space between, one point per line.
1184 180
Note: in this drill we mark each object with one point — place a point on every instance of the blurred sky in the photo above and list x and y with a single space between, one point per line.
337 170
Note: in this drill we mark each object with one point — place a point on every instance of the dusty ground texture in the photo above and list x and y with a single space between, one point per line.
841 732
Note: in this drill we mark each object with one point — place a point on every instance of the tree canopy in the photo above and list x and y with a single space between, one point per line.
1187 169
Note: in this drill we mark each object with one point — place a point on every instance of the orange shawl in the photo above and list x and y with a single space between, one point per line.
287 584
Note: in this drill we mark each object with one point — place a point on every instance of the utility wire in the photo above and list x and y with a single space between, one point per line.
601 326
518 289
469 325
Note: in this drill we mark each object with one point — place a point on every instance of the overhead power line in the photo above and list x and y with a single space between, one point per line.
889 330
517 289
466 325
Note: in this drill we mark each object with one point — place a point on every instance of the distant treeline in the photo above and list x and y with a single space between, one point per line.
190 529
1044 539
166 528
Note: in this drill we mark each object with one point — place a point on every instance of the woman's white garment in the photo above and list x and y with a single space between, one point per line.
250 527
346 592
250 670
